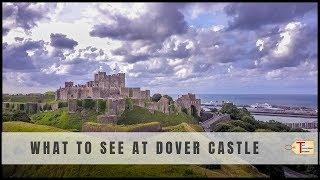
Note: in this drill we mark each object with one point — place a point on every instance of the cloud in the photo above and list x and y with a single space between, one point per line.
24 15
293 44
162 46
249 16
19 56
154 24
61 41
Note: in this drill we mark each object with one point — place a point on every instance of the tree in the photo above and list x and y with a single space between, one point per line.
156 97
222 127
248 119
101 105
88 104
247 126
229 108
237 129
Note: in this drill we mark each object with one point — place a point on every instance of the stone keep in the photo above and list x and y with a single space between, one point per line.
102 87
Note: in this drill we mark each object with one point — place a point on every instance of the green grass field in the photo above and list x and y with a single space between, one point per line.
142 115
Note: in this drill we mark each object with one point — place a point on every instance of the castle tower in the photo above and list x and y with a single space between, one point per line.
122 79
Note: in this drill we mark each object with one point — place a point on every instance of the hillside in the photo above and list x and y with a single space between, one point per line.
142 115
145 127
18 126
40 98
62 119
183 127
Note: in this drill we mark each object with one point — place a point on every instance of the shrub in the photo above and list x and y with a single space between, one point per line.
172 108
47 107
88 104
247 126
185 110
101 105
79 103
237 129
222 127
249 119
129 104
62 104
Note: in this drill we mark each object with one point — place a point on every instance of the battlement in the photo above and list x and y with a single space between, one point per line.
68 84
103 86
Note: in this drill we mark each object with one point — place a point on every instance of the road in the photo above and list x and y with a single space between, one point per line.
207 123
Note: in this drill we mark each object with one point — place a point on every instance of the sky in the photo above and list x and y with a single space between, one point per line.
169 48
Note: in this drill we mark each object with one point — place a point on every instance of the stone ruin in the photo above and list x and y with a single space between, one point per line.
22 107
190 103
102 87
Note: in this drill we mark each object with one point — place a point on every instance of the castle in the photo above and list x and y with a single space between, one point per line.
102 87
112 89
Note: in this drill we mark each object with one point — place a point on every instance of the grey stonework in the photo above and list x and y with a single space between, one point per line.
103 86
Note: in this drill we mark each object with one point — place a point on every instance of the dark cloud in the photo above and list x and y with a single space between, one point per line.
15 56
24 15
62 42
159 22
18 39
5 31
255 15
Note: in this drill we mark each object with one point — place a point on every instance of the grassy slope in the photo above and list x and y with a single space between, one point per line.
142 115
62 119
183 127
18 126
120 128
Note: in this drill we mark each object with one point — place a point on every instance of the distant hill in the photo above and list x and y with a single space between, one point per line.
33 97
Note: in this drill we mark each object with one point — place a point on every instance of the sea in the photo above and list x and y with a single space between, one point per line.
290 100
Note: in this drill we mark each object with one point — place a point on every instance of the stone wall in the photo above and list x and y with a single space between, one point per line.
106 118
103 86
189 101
72 105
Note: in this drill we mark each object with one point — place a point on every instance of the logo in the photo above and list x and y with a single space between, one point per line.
302 147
